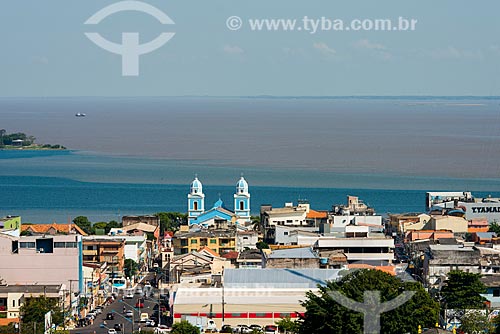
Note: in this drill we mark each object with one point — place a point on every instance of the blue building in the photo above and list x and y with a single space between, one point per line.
196 206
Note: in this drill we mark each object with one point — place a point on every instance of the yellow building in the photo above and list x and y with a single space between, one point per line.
220 241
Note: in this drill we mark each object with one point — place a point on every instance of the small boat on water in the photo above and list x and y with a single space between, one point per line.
80 114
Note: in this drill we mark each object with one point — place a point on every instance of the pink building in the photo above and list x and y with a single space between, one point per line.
42 260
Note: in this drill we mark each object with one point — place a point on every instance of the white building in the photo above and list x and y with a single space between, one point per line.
359 245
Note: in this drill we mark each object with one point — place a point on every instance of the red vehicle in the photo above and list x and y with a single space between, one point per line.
140 303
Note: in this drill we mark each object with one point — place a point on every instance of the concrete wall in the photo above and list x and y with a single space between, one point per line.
455 224
298 263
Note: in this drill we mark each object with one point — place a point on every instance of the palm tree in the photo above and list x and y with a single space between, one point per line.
2 132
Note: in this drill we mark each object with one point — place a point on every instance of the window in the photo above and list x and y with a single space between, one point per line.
242 205
194 241
59 245
285 233
195 205
15 246
27 245
496 292
13 303
71 245
213 241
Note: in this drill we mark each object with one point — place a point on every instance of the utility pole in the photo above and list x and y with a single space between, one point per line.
223 302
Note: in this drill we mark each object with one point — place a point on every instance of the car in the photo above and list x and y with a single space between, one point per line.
138 291
162 329
98 309
256 328
226 329
129 295
139 304
111 331
118 327
271 329
244 329
110 316
150 323
147 284
144 317
129 314
163 308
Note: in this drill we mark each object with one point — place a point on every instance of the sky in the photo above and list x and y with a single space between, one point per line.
454 49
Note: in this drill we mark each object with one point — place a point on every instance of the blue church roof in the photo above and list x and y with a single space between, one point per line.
219 204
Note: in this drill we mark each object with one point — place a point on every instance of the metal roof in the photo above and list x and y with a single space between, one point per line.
278 278
293 253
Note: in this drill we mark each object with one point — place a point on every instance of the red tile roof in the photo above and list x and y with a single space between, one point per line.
60 228
230 255
313 214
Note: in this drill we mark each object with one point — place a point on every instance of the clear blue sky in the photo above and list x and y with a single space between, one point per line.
455 50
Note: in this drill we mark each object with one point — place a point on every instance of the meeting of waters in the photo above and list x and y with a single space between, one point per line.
138 156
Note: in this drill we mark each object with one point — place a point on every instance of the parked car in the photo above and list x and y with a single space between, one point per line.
226 329
98 309
110 316
162 329
256 328
129 314
138 291
118 327
150 323
271 329
129 295
111 331
244 329
139 303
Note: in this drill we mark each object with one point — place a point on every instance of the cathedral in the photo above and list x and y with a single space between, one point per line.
197 215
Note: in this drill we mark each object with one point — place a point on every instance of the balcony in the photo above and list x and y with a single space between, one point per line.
89 252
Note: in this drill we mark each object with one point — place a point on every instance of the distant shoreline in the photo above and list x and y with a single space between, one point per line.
33 148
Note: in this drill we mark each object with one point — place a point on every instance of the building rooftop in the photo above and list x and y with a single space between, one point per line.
293 253
59 228
206 234
31 289
278 278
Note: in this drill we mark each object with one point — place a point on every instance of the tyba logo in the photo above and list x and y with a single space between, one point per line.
130 49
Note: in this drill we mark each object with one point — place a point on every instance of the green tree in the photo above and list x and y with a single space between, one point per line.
494 227
100 226
170 221
2 133
463 291
84 223
33 312
261 245
288 325
130 267
324 315
184 327
8 329
476 322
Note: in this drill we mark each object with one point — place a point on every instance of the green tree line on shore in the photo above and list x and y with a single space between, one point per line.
7 140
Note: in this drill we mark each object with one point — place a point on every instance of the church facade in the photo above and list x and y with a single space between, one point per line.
198 215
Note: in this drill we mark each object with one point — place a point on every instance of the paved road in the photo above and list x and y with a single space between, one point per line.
119 318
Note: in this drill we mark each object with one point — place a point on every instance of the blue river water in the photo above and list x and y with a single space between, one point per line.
48 186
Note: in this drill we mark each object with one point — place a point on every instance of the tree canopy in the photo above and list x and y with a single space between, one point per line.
130 267
33 311
184 327
170 221
463 291
324 315
86 225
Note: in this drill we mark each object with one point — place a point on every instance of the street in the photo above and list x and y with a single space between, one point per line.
117 309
